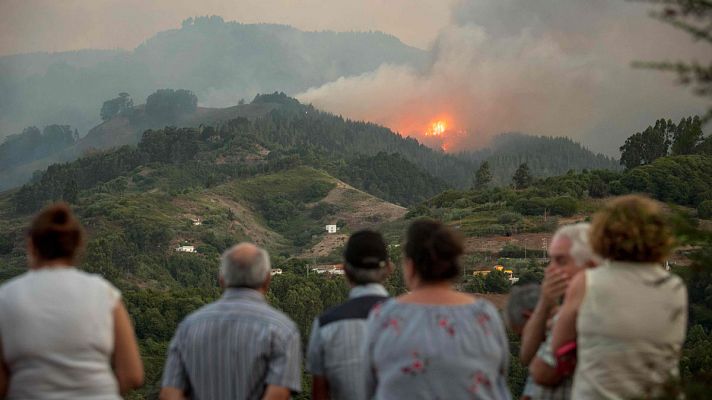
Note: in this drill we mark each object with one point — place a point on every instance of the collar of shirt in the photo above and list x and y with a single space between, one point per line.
243 294
371 289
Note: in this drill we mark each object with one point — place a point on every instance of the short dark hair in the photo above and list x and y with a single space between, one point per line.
56 233
435 250
366 257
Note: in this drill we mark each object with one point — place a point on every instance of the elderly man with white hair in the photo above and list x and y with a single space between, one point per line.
569 253
237 347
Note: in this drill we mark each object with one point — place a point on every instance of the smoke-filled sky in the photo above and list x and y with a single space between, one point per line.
552 67
59 25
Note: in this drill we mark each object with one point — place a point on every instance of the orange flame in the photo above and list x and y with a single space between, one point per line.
437 129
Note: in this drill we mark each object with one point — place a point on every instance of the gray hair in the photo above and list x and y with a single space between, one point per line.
581 250
364 276
522 300
245 265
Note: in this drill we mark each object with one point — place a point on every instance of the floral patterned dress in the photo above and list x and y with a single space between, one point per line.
419 351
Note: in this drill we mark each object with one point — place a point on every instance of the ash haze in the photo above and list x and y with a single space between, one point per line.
548 67
538 66
51 25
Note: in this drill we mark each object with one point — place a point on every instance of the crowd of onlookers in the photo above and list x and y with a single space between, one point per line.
607 322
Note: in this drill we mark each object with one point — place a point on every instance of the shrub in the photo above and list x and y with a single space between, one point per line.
704 210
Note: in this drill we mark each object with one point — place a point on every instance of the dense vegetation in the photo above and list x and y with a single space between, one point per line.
665 138
544 156
32 144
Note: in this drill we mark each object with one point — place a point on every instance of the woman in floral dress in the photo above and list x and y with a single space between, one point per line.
435 342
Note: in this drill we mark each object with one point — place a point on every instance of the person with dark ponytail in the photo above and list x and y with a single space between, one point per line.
64 333
435 342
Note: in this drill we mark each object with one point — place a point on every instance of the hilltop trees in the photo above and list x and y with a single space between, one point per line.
662 139
116 106
483 176
522 179
169 104
32 144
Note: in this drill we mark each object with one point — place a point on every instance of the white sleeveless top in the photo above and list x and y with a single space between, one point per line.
57 331
631 327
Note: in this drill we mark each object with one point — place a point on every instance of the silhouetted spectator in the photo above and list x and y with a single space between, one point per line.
65 333
629 314
238 347
435 342
520 305
335 356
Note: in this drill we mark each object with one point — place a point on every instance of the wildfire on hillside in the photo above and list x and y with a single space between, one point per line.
437 133
438 128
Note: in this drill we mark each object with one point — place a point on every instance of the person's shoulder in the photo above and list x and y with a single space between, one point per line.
279 320
14 283
356 308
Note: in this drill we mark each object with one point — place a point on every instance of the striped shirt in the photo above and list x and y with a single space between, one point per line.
336 342
233 348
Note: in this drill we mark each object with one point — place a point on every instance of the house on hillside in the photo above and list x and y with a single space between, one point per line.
275 271
196 221
331 229
334 269
186 249
507 272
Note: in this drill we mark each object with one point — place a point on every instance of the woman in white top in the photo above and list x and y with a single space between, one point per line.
64 333
629 315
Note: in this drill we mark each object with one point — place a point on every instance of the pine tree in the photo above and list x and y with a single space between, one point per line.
522 179
483 176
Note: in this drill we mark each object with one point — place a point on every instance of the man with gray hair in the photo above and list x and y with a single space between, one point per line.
335 356
569 253
237 347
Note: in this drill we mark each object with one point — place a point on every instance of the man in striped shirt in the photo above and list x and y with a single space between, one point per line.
237 347
334 356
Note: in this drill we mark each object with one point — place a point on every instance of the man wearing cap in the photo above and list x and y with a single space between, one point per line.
334 354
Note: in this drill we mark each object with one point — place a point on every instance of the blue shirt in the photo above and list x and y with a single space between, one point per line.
336 343
233 348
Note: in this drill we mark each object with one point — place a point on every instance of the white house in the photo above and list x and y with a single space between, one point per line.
186 249
196 221
276 271
336 269
331 228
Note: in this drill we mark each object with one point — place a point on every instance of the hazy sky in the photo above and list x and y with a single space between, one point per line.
550 67
58 25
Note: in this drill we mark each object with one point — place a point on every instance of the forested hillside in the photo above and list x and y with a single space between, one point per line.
545 156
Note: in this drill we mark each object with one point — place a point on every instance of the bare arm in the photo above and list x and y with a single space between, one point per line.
171 393
552 288
274 392
320 388
565 328
127 364
4 375
543 373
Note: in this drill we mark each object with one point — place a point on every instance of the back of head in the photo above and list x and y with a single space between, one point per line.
579 236
520 305
245 265
632 228
366 258
435 250
55 234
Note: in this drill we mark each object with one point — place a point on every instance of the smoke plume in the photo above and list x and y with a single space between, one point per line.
559 68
